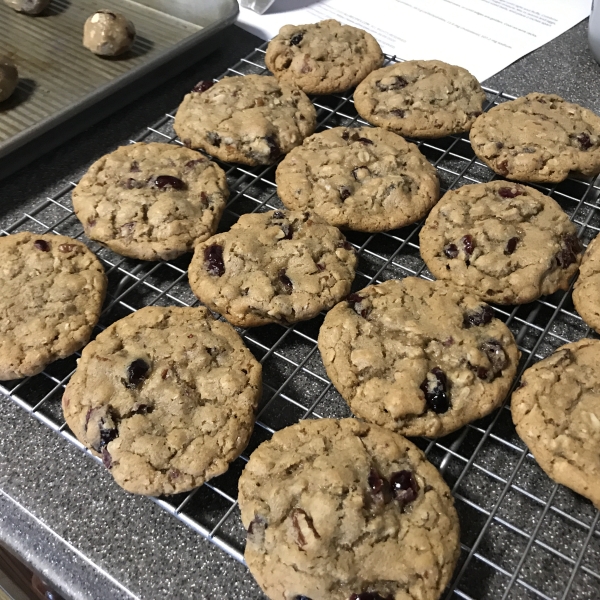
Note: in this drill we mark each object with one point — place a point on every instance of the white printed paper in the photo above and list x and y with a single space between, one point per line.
484 36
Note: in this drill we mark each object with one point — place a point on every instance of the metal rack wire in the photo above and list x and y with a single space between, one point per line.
522 535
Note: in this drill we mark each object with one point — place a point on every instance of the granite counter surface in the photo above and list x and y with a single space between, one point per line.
60 511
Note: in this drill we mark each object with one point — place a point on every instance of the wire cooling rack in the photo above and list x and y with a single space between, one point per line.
522 536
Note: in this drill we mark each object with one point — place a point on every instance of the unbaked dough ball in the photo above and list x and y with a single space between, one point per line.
8 77
30 7
108 33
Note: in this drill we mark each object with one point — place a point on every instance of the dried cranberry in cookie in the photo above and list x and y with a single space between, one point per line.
428 357
506 243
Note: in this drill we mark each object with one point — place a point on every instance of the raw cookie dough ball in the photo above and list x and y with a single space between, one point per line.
8 77
29 7
108 33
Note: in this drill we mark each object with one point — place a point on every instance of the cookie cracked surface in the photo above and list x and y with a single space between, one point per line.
273 267
53 288
251 119
539 137
339 509
505 242
323 58
418 357
151 201
364 178
420 98
166 396
556 411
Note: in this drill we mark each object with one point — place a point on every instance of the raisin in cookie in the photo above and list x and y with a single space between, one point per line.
366 179
418 357
586 292
323 58
420 98
344 510
53 288
151 201
273 267
556 411
166 396
505 242
251 120
539 137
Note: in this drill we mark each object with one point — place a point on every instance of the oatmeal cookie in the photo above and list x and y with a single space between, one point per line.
418 357
539 137
323 58
420 98
273 267
166 396
251 120
363 178
53 288
344 510
505 242
151 201
556 411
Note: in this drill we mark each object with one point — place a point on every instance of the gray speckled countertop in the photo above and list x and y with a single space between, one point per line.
61 512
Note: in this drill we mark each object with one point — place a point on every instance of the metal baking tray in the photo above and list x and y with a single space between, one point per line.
64 88
523 537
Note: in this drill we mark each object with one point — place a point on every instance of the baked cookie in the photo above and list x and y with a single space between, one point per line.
166 396
344 510
539 137
586 292
273 267
420 98
151 201
323 58
556 411
365 178
505 242
418 357
251 120
53 288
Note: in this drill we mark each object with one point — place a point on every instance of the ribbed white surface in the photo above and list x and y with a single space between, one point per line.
56 71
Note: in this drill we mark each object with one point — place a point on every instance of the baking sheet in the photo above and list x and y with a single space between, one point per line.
59 78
